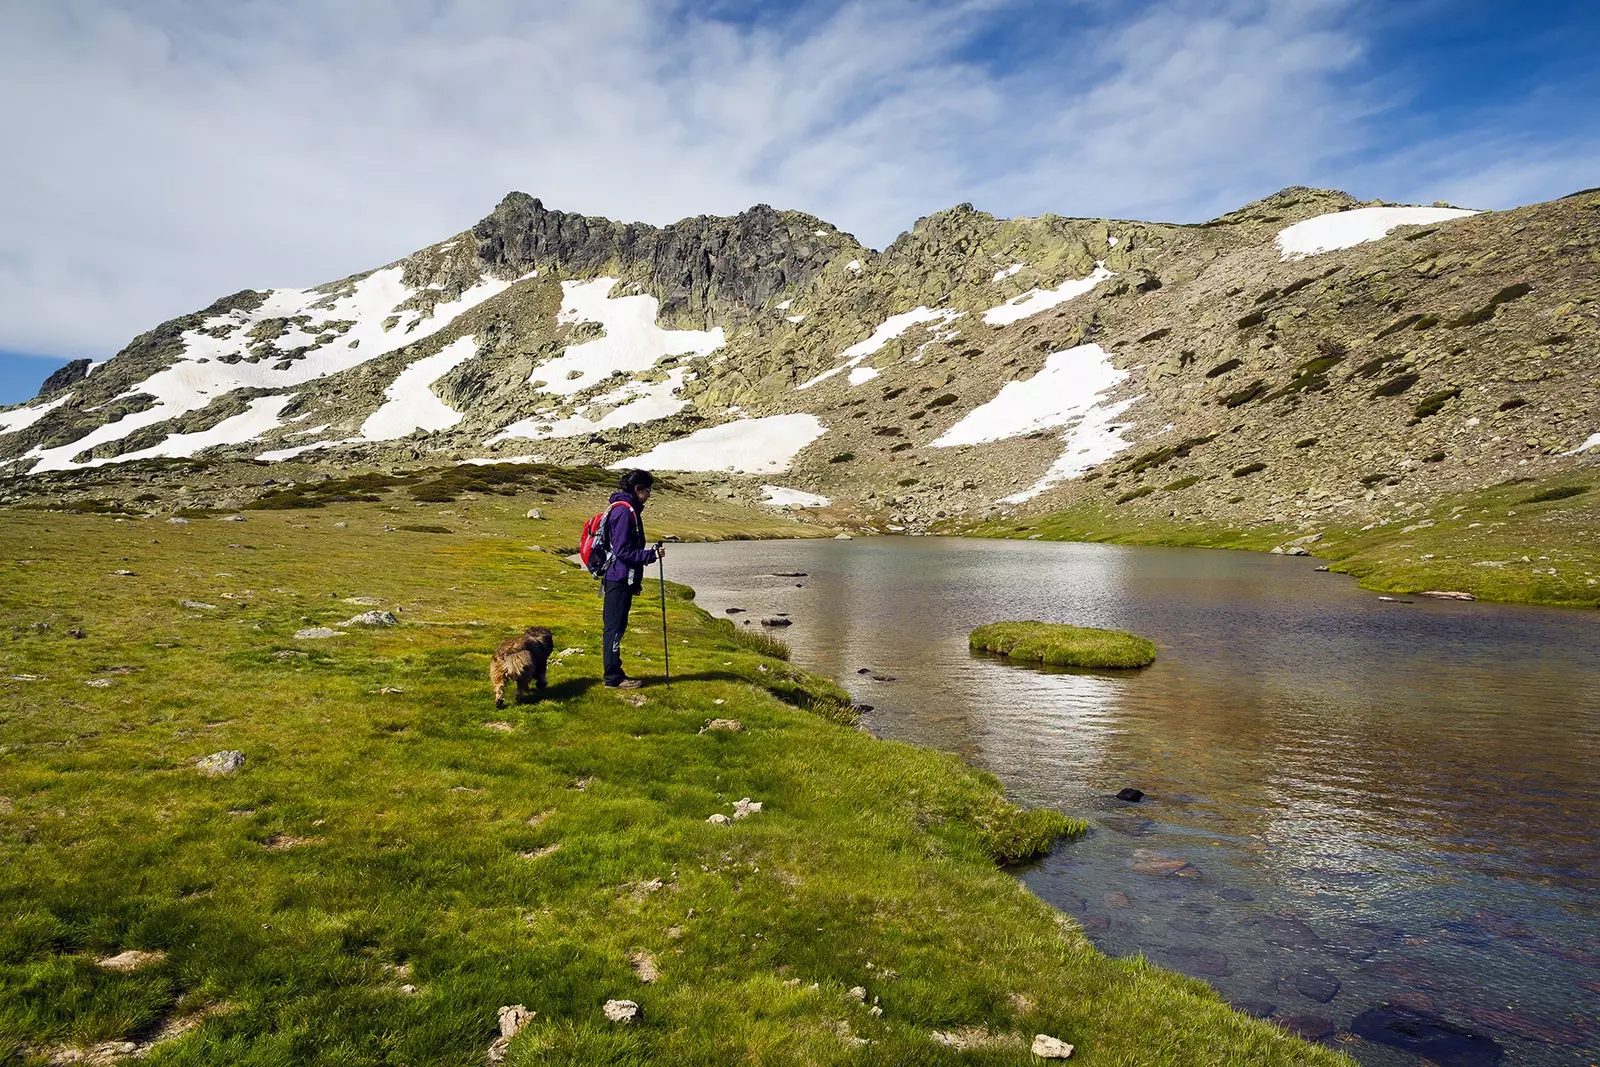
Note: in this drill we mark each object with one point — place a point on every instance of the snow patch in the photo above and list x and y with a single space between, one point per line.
22 418
485 461
796 319
1592 442
1111 241
1003 274
785 305
892 327
1344 229
1094 440
630 404
261 416
780 497
410 404
1036 300
632 342
1064 390
749 446
862 375
200 375
277 454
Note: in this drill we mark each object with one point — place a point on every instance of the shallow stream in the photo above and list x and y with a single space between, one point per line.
1378 803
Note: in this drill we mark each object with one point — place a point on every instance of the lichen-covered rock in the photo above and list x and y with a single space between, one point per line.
219 764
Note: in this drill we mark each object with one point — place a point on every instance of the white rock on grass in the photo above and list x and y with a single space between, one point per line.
535 513
1050 1048
732 726
131 960
220 763
231 518
622 1011
513 1017
197 605
363 601
315 633
372 618
745 808
719 819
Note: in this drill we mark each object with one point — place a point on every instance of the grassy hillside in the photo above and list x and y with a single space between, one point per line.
1523 541
396 860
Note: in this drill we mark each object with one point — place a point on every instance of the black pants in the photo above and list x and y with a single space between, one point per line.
614 616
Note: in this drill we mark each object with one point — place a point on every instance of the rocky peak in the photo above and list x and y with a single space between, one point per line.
66 377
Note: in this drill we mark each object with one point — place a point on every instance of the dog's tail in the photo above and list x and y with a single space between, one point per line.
517 663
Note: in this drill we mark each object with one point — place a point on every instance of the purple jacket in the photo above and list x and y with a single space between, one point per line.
625 535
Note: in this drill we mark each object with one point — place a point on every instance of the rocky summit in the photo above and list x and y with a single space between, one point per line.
1305 359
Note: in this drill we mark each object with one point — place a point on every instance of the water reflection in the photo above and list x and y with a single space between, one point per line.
1374 800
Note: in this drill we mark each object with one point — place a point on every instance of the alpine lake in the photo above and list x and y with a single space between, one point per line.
1362 816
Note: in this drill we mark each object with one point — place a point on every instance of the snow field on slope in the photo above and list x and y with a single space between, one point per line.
631 404
199 376
632 342
862 375
1345 229
1066 388
892 327
1005 272
781 497
22 418
749 446
1592 442
260 417
1094 440
410 404
1036 300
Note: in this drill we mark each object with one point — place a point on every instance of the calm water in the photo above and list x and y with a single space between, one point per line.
1379 802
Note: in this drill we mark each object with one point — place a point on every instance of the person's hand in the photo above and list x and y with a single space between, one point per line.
661 552
637 589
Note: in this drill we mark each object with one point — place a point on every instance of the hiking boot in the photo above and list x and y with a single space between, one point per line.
626 683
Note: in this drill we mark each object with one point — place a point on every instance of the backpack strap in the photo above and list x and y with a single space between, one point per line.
611 549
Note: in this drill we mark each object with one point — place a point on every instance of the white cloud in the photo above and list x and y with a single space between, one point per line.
161 153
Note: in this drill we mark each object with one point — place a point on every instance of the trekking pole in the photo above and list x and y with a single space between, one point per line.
666 656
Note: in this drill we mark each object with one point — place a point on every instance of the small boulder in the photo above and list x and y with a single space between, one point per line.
219 764
1131 795
513 1017
719 819
1308 1027
175 521
745 808
535 513
1297 550
644 967
231 518
197 605
1447 594
131 960
622 1012
363 601
1050 1048
1317 984
372 618
315 633
842 537
777 622
122 574
732 611
732 726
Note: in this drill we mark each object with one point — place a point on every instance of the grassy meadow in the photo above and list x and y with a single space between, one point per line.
396 859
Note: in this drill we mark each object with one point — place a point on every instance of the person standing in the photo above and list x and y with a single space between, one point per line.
623 579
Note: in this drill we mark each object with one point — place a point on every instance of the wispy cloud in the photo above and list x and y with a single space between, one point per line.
161 153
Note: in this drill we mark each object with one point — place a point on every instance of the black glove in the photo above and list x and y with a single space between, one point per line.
637 588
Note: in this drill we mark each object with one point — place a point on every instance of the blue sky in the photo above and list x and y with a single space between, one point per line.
171 152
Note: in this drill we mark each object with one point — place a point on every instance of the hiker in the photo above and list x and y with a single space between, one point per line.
623 578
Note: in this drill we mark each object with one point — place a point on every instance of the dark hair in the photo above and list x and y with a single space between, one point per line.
635 480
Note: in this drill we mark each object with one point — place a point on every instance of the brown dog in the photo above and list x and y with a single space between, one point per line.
521 659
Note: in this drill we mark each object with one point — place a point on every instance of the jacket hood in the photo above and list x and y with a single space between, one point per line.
626 497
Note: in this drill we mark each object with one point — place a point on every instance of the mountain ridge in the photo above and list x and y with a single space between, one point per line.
1232 372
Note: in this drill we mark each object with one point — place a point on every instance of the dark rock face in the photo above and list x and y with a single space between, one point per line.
1427 1035
67 376
692 266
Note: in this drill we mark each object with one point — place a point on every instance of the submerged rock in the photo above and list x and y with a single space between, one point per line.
1428 1036
1317 984
777 622
1131 795
1309 1027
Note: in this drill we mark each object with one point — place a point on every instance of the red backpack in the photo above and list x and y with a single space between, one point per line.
595 535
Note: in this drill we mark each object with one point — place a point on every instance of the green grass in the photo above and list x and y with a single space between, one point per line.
423 831
1059 645
1501 543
